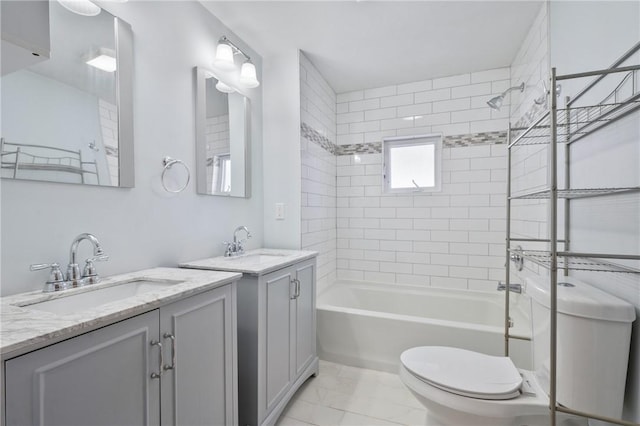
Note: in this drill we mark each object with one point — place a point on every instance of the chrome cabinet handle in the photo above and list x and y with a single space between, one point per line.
296 288
173 351
293 296
160 359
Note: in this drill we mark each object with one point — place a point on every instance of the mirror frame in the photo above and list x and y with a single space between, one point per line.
124 96
200 75
123 36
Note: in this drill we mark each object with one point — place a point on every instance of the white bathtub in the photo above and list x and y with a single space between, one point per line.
369 325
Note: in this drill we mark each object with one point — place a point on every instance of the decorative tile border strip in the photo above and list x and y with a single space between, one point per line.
454 141
316 137
112 151
360 148
472 139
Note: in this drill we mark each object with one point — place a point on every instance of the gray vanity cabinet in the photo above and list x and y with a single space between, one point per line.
110 376
98 378
276 339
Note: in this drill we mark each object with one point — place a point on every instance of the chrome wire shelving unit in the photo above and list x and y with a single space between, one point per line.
559 127
593 262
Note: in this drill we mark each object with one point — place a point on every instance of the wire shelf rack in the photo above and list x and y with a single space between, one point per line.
575 123
573 193
579 261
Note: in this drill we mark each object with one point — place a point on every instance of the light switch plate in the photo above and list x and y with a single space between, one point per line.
279 211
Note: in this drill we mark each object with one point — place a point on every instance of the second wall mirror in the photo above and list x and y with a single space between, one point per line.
222 138
68 118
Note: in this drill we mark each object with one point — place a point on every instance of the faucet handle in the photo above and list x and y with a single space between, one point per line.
40 266
89 273
55 281
230 249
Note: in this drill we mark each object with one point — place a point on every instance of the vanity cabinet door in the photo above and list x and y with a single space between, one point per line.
279 335
305 317
199 379
99 378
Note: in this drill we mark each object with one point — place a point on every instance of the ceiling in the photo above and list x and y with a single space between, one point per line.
364 44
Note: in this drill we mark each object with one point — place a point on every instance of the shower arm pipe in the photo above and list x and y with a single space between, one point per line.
520 87
235 48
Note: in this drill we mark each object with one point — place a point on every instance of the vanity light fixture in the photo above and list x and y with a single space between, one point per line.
224 55
81 7
224 60
248 75
104 59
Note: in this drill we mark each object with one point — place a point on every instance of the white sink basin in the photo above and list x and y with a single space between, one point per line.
257 258
85 300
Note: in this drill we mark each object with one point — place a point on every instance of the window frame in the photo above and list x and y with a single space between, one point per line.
434 139
221 164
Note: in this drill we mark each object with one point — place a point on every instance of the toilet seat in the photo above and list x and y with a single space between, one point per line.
464 372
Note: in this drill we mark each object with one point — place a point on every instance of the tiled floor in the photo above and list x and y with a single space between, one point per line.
343 395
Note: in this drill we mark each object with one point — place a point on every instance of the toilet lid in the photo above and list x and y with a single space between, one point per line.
464 372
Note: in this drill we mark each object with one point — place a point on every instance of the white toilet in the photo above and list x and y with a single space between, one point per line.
460 387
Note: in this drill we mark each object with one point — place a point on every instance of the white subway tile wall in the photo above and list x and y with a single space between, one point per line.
218 141
531 66
109 129
452 105
318 222
453 238
529 163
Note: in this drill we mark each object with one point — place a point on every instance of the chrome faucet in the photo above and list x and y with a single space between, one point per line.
57 281
515 288
89 275
236 248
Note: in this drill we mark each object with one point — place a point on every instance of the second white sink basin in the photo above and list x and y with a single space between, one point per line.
82 301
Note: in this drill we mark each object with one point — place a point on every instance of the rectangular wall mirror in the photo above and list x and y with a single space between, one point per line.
222 138
69 117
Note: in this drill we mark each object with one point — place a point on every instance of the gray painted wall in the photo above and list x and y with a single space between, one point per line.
145 226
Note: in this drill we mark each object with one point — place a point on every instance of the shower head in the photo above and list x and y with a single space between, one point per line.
496 102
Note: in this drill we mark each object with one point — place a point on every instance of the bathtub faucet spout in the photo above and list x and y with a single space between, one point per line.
516 288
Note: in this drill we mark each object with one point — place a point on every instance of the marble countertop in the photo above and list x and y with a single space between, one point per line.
253 262
24 328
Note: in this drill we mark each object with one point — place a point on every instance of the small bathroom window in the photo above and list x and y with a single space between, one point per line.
412 163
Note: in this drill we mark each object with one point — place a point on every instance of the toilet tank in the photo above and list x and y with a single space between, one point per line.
594 332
